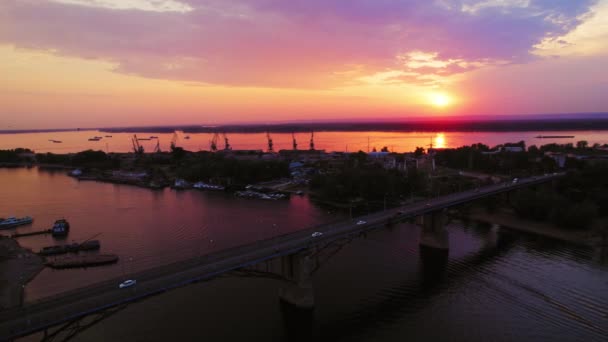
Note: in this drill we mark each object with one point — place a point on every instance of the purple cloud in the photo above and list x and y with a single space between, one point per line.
296 43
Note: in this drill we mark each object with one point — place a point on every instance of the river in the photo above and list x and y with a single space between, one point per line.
495 285
77 141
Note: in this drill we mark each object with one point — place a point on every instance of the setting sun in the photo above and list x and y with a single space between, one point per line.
440 100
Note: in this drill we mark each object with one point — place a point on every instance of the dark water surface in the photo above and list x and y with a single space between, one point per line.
495 285
145 228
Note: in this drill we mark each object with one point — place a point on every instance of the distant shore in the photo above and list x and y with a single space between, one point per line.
535 123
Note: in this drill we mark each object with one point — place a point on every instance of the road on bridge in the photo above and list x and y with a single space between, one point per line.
51 311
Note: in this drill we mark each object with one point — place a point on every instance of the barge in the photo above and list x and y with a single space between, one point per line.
71 248
83 261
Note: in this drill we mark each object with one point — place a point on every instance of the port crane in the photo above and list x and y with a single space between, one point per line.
157 147
137 148
312 140
227 146
213 142
295 144
270 144
174 140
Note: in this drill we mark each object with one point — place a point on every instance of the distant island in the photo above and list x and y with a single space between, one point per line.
512 123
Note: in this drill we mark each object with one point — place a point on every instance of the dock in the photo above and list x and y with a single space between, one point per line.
39 232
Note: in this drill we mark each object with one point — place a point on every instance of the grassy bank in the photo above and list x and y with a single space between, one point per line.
508 219
17 267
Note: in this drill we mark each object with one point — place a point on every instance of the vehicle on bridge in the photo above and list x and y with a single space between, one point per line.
316 234
127 283
360 222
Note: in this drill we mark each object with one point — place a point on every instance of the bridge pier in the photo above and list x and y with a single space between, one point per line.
298 269
434 235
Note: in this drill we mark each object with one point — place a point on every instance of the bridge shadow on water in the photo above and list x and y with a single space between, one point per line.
436 274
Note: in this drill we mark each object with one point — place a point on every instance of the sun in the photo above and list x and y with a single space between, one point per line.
440 100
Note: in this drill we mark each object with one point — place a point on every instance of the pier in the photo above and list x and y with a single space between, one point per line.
39 232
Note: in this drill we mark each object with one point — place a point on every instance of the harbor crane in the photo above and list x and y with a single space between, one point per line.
174 140
157 147
270 144
213 142
227 146
137 148
312 140
295 144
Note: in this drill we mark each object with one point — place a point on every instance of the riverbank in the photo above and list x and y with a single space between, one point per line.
18 266
509 220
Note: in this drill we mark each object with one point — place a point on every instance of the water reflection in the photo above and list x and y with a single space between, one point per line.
330 141
439 141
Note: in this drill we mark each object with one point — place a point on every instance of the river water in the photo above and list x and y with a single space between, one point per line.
495 285
331 141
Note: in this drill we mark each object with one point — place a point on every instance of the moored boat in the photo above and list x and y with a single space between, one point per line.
60 228
71 248
90 245
83 261
14 222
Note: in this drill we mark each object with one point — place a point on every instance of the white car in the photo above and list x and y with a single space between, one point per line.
515 180
316 234
127 283
361 222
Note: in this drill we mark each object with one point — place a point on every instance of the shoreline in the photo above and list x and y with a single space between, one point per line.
509 220
18 266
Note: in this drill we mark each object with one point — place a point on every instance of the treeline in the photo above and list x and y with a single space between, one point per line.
14 156
359 179
575 202
206 166
499 160
84 159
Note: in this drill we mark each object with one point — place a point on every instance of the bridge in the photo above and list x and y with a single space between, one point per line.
294 254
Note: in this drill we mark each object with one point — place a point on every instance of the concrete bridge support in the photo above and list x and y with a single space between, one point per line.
434 235
298 269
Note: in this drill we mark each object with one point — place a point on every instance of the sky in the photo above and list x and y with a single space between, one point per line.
101 63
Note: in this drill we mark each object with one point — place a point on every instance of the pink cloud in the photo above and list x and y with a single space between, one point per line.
267 43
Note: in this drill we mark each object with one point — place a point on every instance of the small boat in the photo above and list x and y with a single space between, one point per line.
53 250
205 186
95 139
83 261
57 141
70 248
153 137
14 222
60 228
90 245
187 137
108 136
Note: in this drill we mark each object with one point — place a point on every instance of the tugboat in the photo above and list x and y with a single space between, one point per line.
60 228
14 222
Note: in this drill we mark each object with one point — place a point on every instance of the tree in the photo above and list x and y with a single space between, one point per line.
581 145
384 149
419 151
